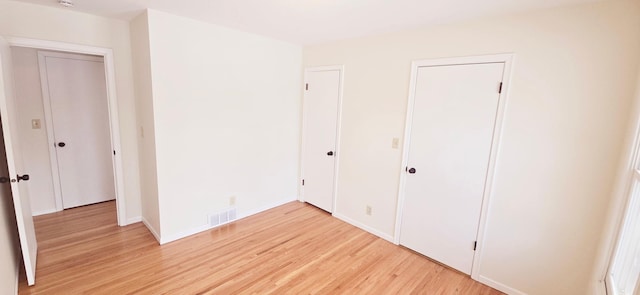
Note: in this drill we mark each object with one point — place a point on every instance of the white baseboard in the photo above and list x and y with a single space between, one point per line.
17 274
364 227
133 220
151 229
390 238
598 287
248 213
184 234
49 211
500 287
241 215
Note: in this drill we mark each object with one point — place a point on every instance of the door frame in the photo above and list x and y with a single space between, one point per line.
114 122
48 117
507 59
620 202
307 70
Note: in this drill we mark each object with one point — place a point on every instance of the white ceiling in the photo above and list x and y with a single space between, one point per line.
315 21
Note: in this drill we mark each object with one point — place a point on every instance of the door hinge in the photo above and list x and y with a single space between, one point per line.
475 245
303 182
114 152
306 86
500 88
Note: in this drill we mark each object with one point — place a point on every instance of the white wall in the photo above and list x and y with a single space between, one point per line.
19 20
572 87
227 120
146 132
34 142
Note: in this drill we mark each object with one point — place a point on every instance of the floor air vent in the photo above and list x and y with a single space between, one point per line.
222 217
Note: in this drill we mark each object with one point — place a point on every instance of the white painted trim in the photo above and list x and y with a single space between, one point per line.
464 60
324 69
365 227
49 211
205 227
302 140
118 166
405 152
247 213
507 59
500 287
621 222
619 207
151 229
57 46
17 285
338 151
186 233
133 220
607 287
493 159
73 56
48 119
602 281
107 54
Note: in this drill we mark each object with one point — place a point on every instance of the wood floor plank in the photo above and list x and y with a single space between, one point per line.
291 249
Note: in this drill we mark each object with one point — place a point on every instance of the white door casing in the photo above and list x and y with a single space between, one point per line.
323 90
623 276
77 117
449 144
19 191
114 121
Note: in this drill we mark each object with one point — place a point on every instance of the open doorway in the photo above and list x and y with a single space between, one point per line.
73 142
11 122
65 133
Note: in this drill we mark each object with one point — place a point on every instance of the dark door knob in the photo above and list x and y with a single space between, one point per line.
330 153
412 170
61 144
23 177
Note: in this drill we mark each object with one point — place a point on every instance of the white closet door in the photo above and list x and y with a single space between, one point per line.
21 203
451 133
321 100
77 95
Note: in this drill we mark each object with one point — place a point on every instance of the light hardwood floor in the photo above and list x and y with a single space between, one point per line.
292 249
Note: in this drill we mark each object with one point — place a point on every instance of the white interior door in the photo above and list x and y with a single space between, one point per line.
321 102
76 93
452 126
21 203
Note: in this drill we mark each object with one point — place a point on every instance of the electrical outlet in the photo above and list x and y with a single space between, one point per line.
368 210
232 200
395 143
